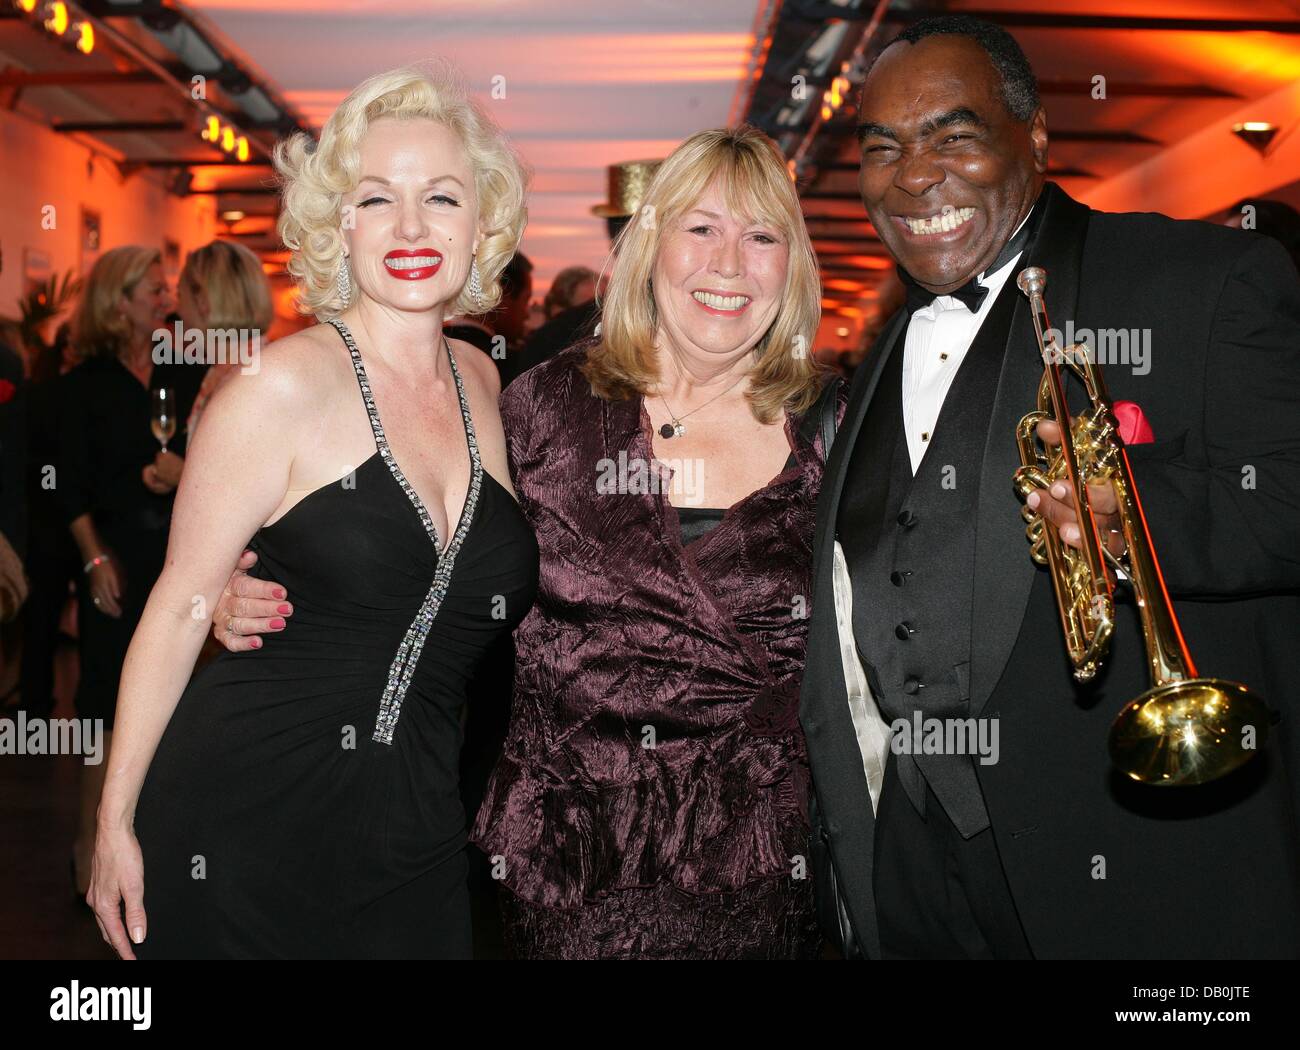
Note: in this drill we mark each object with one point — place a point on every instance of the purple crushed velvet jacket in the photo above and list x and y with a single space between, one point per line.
704 644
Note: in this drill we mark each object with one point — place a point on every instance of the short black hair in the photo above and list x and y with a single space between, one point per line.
1019 85
513 276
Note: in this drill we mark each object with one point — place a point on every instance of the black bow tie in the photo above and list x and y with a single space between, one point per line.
972 293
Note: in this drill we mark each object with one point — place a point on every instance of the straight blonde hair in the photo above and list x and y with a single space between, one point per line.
98 328
231 277
756 185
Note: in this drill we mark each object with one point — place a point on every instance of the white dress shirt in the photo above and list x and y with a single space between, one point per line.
938 337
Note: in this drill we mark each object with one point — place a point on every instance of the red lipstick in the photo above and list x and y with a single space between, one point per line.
413 264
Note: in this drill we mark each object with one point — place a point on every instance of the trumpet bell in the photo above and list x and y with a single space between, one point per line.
1188 732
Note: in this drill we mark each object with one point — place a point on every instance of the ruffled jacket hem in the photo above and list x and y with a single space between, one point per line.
565 840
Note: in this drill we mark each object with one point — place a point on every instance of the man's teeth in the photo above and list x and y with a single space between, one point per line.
721 302
413 262
941 223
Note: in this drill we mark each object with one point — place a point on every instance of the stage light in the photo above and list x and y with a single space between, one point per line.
1256 133
57 18
226 138
839 89
85 37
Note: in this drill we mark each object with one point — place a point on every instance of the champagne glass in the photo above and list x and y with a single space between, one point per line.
164 415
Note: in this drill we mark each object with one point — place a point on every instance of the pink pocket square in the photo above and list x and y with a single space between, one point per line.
1133 426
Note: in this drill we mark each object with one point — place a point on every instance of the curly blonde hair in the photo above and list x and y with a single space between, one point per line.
756 184
315 177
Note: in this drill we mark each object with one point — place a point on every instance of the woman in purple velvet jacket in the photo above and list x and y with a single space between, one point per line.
651 799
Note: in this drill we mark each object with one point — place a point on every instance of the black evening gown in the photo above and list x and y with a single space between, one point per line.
303 801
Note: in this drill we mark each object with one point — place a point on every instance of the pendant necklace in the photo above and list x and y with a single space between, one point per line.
675 428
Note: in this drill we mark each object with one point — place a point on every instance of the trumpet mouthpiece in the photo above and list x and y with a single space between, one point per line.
1032 280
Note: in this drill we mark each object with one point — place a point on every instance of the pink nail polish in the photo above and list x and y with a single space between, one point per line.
257 643
279 592
284 608
277 623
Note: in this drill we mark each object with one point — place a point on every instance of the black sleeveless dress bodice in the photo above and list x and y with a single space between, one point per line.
303 801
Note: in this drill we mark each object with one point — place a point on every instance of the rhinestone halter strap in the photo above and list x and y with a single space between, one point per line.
408 653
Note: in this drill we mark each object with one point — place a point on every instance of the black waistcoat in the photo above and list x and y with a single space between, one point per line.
909 542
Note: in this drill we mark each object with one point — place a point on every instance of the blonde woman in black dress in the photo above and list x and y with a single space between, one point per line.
303 803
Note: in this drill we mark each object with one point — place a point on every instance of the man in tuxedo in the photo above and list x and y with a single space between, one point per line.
928 608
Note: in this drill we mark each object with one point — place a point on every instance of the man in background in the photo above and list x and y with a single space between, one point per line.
627 185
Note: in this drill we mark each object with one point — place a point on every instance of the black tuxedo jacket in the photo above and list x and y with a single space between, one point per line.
1100 867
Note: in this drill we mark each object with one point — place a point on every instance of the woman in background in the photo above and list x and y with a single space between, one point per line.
222 288
117 515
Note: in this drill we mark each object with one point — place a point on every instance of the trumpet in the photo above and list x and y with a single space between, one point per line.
1184 729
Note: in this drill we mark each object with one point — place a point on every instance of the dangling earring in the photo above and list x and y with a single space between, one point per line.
475 284
345 283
